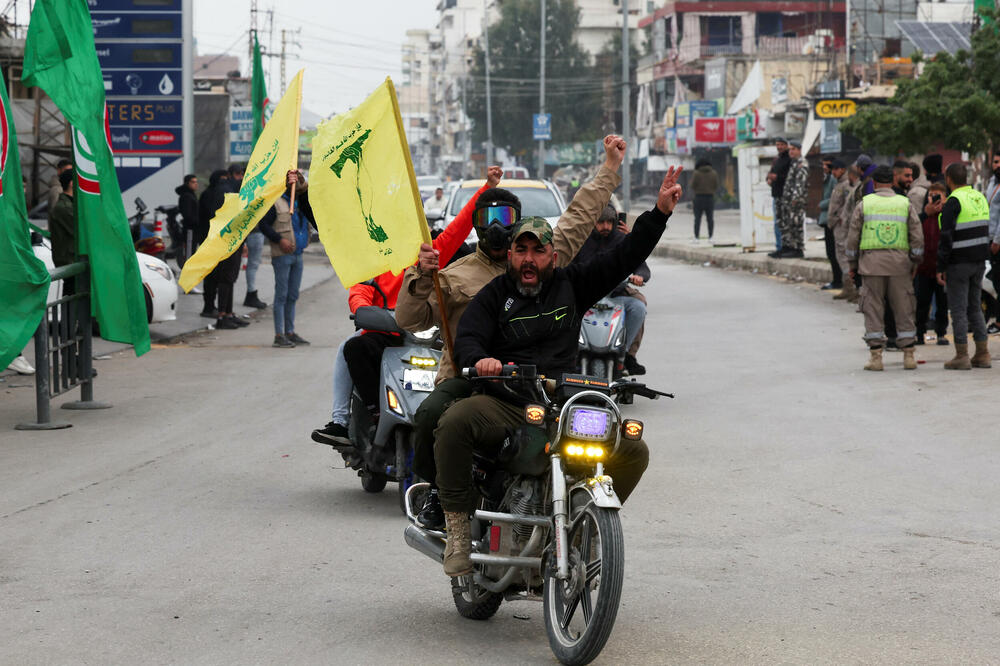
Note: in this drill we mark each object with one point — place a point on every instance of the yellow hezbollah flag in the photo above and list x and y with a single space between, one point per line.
274 154
363 191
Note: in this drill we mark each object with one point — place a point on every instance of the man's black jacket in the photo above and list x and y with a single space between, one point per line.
597 244
187 202
779 167
544 330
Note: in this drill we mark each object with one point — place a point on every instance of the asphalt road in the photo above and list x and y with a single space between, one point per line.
796 508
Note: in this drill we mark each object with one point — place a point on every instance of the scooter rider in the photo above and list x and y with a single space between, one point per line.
366 352
531 315
605 238
418 307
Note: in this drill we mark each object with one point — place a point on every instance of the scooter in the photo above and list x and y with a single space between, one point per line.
383 452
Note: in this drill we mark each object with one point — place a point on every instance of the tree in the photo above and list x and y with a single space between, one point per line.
572 95
955 101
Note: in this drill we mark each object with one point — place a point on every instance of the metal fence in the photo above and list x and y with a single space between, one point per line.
63 349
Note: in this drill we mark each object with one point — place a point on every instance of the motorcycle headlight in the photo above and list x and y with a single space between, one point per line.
583 341
620 338
164 271
423 361
592 424
582 451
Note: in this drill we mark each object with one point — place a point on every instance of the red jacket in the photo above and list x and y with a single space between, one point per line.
447 244
932 232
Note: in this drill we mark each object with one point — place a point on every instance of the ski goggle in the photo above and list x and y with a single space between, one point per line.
484 217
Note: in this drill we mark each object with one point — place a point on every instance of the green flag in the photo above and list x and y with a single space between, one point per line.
24 280
59 58
258 94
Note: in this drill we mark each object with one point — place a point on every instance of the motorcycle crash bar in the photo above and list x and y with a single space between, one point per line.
433 548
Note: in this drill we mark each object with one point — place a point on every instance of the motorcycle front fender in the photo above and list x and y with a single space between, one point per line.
603 495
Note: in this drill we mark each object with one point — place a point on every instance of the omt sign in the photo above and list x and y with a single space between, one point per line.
836 108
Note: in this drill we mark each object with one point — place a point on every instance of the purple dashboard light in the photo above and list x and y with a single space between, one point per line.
589 423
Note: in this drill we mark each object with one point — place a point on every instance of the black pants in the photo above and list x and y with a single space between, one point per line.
927 288
364 361
430 410
831 254
704 203
994 276
226 274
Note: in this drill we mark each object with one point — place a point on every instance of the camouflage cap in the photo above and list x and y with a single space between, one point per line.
537 227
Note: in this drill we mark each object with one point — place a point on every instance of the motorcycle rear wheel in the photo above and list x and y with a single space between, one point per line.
580 612
480 604
373 482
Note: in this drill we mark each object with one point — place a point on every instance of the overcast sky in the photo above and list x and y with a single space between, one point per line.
347 47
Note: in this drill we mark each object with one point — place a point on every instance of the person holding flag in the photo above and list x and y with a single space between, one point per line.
275 154
366 348
286 225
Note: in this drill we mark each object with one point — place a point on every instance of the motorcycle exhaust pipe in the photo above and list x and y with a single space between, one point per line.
428 545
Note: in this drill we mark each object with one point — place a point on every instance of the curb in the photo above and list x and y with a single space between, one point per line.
758 262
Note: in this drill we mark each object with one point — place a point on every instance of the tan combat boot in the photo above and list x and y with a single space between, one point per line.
909 363
846 293
961 360
875 362
458 548
981 359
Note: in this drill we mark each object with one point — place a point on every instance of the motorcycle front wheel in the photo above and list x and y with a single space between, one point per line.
580 611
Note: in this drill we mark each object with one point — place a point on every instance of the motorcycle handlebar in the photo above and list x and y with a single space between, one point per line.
508 370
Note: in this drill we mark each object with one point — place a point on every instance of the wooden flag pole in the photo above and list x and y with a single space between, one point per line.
449 345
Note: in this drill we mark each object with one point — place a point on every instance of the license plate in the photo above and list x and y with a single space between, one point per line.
418 380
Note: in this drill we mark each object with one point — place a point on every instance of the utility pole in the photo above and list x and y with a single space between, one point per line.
284 43
489 109
253 33
541 99
627 166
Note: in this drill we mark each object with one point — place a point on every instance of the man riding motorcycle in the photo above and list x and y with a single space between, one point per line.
366 348
531 315
605 238
418 308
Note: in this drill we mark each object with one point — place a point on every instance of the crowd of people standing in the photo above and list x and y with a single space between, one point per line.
910 246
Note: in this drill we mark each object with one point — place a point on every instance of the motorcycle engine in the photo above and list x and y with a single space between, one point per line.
527 498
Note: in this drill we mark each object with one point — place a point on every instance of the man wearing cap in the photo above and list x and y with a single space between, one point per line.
793 204
531 315
838 219
885 243
417 309
963 248
776 179
831 178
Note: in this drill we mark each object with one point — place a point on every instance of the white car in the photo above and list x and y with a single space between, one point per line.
539 198
158 283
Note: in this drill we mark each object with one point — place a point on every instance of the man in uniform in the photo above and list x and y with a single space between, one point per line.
793 204
885 242
963 248
418 309
839 219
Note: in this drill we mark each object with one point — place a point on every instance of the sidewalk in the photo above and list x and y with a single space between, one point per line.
317 270
726 252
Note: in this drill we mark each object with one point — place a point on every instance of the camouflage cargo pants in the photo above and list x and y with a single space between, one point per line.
793 221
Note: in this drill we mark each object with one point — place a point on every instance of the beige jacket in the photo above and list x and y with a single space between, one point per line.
884 262
283 225
838 202
417 306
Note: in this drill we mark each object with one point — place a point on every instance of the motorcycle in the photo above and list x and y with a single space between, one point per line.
383 452
144 233
180 244
602 342
548 525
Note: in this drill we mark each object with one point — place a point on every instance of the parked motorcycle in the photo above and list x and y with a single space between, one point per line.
548 524
178 248
384 452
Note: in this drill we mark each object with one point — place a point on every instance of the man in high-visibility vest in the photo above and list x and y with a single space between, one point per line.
963 249
885 243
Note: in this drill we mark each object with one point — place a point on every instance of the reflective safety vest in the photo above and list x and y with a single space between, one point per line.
972 227
885 222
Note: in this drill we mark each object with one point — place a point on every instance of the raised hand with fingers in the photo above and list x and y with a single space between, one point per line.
614 151
670 192
427 258
493 176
